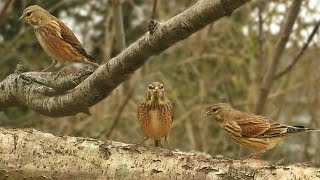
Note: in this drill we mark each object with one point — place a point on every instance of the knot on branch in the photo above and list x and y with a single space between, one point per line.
152 27
20 68
227 7
55 83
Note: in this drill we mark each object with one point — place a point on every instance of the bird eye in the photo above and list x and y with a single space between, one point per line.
215 109
161 87
28 14
150 87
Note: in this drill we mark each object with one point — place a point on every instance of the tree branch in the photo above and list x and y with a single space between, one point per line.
118 25
4 9
261 63
31 154
154 10
285 32
119 113
301 52
15 91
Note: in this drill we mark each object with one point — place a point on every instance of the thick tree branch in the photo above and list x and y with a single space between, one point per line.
285 32
31 154
14 91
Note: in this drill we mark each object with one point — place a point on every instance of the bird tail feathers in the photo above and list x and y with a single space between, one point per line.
297 129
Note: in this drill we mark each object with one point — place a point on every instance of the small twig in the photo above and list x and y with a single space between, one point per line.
260 65
119 112
153 24
154 10
118 25
301 52
4 9
228 93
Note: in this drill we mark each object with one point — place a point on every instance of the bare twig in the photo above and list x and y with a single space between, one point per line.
301 52
153 24
119 112
260 66
119 34
284 35
154 10
108 37
118 25
4 9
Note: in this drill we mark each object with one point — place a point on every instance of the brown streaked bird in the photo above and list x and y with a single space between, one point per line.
155 114
57 40
252 131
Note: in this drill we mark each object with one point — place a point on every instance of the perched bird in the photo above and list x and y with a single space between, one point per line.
252 131
57 40
155 114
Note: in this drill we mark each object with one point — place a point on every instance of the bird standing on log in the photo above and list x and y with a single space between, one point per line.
57 40
252 131
155 114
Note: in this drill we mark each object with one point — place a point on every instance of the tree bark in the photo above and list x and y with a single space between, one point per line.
31 154
15 91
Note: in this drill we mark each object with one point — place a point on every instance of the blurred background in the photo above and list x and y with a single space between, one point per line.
224 62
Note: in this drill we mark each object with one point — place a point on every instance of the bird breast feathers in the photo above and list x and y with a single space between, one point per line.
154 119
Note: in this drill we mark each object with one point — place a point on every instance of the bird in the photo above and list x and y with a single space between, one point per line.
155 114
57 40
252 131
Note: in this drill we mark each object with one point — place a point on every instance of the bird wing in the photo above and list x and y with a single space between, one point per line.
277 130
142 112
171 110
252 125
68 36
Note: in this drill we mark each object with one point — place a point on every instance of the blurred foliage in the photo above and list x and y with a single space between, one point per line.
217 64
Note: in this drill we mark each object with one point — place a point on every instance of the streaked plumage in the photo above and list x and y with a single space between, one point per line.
155 114
55 37
252 131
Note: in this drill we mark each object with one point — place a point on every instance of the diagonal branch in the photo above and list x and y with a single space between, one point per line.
14 91
278 50
301 52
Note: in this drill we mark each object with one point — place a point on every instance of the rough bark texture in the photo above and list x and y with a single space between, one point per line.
34 155
15 91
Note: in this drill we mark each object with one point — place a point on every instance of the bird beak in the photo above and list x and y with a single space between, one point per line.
21 18
209 113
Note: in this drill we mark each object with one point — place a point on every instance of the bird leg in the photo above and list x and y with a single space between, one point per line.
166 140
157 143
256 155
144 140
54 62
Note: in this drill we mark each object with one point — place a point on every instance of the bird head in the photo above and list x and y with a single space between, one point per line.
155 92
35 15
220 111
